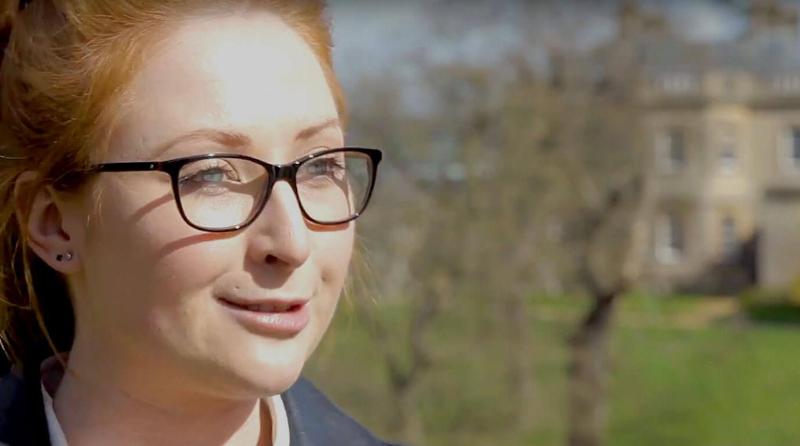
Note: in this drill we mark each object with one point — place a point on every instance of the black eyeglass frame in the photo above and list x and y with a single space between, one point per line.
276 172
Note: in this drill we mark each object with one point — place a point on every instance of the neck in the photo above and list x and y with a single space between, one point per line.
97 408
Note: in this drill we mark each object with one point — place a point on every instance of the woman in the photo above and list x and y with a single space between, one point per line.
177 220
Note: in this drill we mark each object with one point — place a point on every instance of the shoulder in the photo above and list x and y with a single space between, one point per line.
315 420
11 400
22 420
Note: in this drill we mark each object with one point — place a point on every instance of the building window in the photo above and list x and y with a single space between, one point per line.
730 84
727 139
791 158
670 239
728 158
786 83
730 239
671 150
678 83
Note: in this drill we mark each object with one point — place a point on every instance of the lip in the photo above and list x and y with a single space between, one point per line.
266 322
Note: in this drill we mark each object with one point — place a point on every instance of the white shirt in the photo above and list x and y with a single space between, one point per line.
51 366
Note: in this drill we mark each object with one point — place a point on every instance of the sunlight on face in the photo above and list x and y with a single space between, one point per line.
152 286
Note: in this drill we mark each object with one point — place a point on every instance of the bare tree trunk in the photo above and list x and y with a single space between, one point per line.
404 376
407 420
588 375
405 383
589 364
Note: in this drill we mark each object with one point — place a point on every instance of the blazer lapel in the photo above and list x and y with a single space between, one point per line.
315 421
22 419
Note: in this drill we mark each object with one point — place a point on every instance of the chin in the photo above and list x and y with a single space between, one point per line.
265 371
277 380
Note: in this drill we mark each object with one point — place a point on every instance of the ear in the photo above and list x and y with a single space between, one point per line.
42 215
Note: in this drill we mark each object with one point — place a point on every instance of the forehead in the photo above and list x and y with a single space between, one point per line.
250 73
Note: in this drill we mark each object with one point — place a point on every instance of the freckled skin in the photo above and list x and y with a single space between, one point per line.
144 297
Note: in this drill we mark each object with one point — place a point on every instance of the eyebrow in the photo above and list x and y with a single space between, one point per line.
226 138
313 130
232 139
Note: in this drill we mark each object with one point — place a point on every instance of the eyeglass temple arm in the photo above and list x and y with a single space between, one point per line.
12 158
128 167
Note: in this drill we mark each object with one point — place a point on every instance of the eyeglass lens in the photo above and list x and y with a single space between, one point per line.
219 193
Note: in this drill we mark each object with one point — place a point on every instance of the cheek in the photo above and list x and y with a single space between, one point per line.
142 255
333 251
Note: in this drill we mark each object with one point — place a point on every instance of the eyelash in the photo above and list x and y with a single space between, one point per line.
223 167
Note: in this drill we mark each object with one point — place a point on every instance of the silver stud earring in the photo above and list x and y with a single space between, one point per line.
66 257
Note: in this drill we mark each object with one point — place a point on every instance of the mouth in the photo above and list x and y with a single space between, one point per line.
271 318
265 307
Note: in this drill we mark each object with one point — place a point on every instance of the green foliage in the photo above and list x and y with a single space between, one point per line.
705 385
773 306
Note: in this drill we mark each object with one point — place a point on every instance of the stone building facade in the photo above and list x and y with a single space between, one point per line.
722 125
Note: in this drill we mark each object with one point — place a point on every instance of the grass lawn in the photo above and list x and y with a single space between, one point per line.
673 383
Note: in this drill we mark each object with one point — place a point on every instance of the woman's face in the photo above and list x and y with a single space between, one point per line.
150 292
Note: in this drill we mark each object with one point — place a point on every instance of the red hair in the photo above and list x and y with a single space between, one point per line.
66 66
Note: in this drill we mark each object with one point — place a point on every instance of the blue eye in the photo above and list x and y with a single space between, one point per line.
211 175
208 172
323 166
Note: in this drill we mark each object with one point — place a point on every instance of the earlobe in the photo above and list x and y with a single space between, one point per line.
42 216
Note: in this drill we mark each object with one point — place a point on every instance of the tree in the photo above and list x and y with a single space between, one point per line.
506 185
601 149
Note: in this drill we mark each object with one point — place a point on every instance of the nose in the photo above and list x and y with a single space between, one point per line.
282 235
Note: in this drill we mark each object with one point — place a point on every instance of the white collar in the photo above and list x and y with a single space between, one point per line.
56 434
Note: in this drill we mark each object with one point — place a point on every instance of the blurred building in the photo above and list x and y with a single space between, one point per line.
722 125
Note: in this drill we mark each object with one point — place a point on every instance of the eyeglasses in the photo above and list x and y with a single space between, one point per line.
226 192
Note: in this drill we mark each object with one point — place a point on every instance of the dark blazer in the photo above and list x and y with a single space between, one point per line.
313 419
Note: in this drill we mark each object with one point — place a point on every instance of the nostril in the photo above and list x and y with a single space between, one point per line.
271 259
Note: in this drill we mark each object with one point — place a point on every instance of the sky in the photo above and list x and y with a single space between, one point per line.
373 36
401 38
